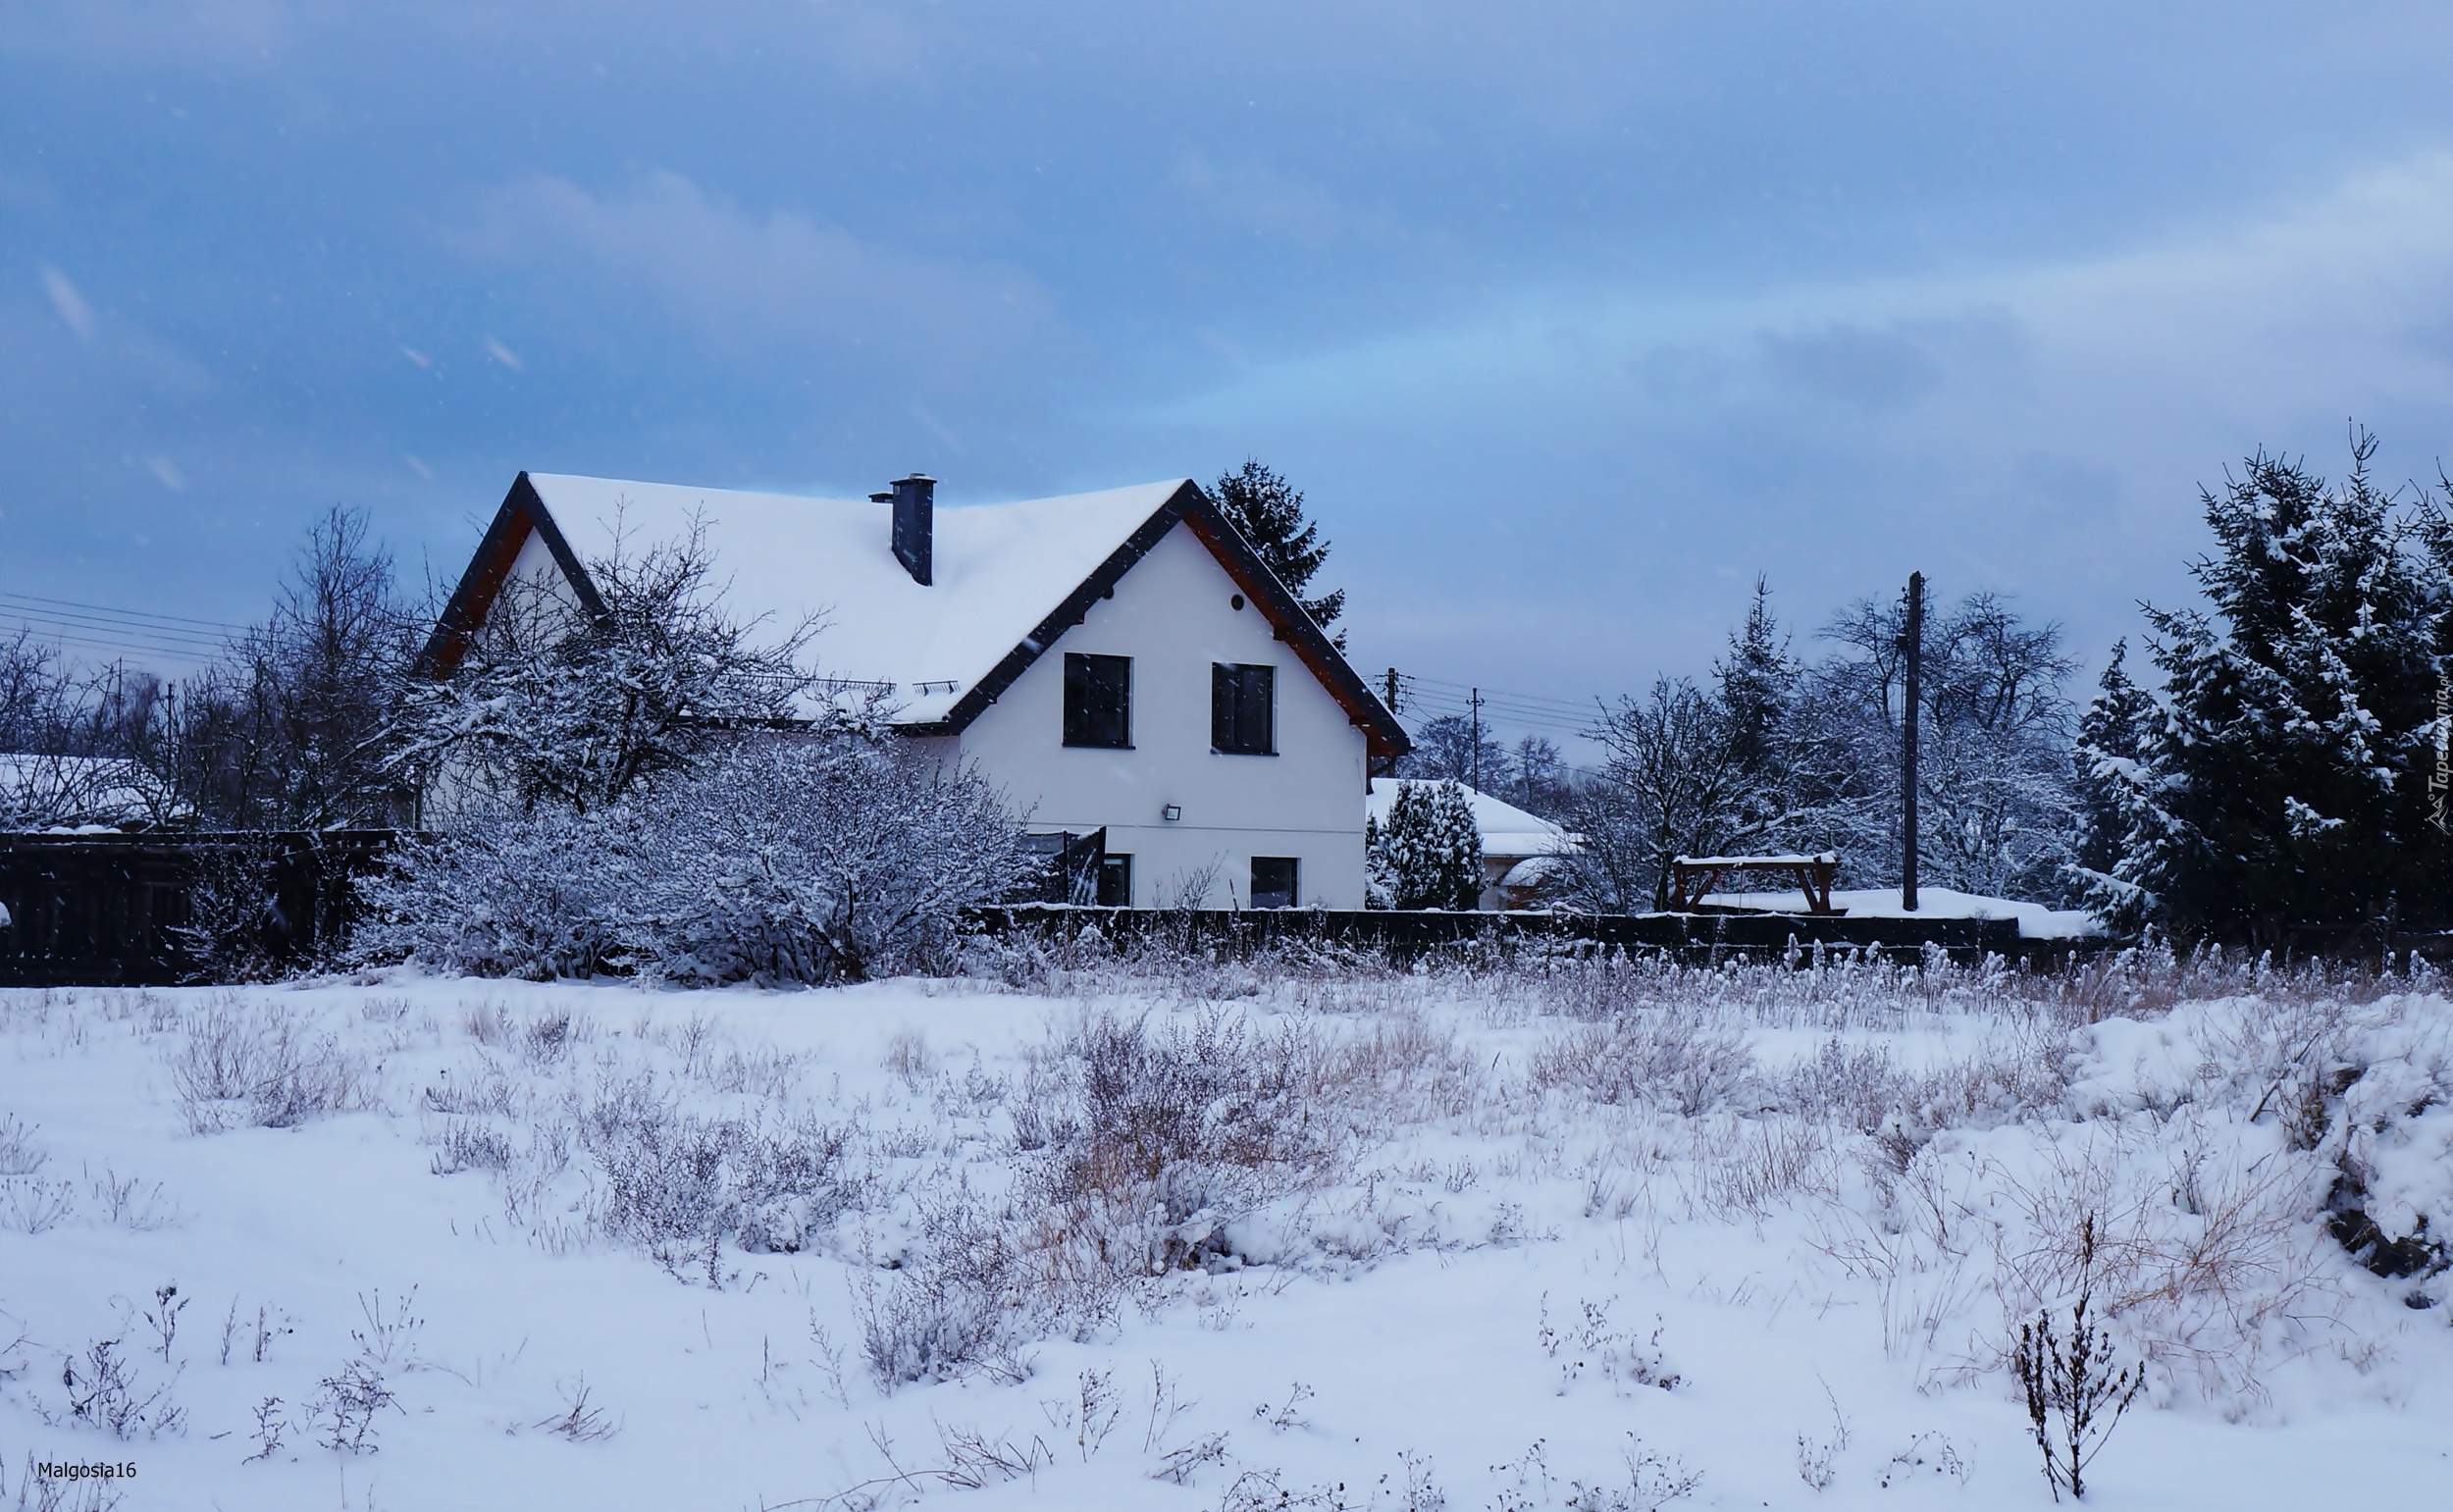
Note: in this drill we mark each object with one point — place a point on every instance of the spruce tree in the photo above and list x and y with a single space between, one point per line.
1269 512
2111 736
2281 787
1757 679
1428 854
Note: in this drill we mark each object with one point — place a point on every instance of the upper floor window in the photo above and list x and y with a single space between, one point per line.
1098 701
1243 708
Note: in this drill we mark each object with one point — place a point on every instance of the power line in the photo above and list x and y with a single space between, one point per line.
70 623
87 626
103 608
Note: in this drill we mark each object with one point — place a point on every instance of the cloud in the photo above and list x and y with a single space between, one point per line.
746 284
2039 427
74 312
166 472
505 355
1255 199
178 32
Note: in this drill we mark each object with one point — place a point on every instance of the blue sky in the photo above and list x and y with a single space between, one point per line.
1570 318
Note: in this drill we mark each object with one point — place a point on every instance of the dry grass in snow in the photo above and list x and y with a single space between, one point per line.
1154 1231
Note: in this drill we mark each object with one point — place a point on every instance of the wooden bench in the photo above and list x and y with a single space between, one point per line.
1692 877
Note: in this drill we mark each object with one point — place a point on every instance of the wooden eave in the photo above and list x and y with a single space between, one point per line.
1382 736
523 513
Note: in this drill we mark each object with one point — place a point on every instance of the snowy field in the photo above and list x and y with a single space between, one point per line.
1296 1234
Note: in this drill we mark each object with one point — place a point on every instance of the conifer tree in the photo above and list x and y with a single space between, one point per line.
1758 680
2281 785
2111 736
1428 854
1269 512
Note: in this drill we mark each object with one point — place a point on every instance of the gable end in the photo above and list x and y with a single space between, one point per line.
523 513
1382 734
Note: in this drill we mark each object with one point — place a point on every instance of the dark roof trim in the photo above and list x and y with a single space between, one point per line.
1188 505
523 512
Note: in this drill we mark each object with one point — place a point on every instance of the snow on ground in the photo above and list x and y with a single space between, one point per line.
2036 921
1508 1240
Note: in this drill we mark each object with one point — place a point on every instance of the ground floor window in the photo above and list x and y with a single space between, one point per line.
1116 881
1274 881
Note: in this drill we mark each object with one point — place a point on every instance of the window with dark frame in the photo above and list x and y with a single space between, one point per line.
1098 701
1116 881
1243 708
1274 881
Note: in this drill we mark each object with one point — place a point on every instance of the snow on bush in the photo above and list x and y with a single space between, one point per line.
831 857
1428 854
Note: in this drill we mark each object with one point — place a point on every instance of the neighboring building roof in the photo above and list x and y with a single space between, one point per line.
1009 578
59 791
2036 920
1506 830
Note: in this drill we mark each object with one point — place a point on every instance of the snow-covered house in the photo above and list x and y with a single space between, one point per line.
1519 849
1118 661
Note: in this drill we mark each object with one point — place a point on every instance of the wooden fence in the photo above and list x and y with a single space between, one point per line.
1403 936
117 909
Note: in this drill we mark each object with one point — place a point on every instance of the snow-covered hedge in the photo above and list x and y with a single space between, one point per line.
825 859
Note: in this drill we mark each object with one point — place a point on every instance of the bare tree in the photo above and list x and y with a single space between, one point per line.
1673 763
1993 778
556 705
290 728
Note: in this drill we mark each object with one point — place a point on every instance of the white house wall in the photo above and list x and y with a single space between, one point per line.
1173 613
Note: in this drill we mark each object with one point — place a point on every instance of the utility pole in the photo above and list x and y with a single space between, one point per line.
1388 694
1912 649
1475 700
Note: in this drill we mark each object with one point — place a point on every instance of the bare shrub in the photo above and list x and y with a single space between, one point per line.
678 1185
485 1088
580 1420
255 1067
2202 1258
2075 1394
1625 1357
1673 1058
127 1202
906 1055
349 1405
955 1307
470 1145
103 1388
22 1151
1154 1139
1654 1482
1751 1165
235 929
30 1204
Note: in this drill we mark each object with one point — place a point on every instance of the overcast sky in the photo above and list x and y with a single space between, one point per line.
1569 318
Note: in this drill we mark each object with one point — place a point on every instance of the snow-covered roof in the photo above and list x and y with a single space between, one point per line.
2036 921
1007 580
1506 830
1757 861
999 569
61 791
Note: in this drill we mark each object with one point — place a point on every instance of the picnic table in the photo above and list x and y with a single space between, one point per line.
1692 877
